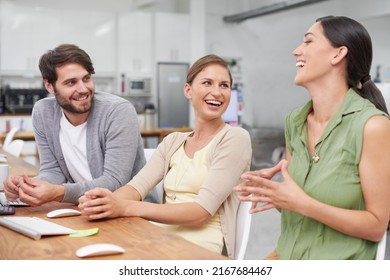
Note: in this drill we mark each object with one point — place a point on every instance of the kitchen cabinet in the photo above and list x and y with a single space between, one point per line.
145 39
135 44
27 32
94 32
172 41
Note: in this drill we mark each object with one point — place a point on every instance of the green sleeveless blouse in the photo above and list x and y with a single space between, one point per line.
334 180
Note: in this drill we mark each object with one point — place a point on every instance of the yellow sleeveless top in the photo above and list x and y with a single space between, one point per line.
182 184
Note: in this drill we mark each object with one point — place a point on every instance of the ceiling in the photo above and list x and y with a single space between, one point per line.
179 6
223 7
236 9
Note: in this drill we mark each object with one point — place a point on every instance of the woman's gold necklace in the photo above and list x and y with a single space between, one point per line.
316 154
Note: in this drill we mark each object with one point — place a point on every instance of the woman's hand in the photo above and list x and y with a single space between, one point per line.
258 188
101 203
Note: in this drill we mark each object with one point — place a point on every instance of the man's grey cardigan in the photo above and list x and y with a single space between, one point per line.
114 144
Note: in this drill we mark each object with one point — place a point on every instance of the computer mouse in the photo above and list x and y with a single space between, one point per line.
99 249
63 213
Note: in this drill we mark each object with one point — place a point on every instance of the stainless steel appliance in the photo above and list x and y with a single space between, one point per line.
139 86
20 100
173 107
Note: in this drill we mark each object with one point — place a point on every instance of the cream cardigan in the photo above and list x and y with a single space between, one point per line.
229 156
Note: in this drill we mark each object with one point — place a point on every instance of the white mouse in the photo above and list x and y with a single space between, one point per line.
99 249
63 213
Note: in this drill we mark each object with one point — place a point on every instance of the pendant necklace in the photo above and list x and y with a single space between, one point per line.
316 155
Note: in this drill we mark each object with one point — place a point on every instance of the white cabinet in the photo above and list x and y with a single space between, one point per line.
145 39
135 44
172 41
94 32
27 32
129 43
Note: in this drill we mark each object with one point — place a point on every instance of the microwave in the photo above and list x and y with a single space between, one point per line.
139 86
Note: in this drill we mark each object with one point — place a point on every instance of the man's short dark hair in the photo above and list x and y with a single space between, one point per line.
65 53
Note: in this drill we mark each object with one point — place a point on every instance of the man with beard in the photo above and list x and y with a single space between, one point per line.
85 139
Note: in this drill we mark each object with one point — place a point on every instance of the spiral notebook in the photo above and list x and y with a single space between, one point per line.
34 227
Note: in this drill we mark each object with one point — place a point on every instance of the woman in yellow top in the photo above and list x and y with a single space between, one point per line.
199 169
336 191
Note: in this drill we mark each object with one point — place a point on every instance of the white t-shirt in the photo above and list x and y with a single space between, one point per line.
73 140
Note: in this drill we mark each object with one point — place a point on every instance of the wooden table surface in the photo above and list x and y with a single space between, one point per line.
141 239
23 135
18 166
158 132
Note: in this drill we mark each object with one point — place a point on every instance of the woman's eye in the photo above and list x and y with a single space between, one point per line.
225 86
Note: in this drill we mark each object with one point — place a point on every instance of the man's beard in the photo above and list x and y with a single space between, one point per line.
69 107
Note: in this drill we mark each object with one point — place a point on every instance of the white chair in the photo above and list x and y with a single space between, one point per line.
10 136
243 227
14 147
380 252
159 187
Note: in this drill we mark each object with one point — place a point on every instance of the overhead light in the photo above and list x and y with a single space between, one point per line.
270 9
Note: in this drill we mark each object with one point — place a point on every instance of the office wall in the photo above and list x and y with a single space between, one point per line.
266 44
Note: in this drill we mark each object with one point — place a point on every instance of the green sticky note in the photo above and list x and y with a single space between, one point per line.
84 232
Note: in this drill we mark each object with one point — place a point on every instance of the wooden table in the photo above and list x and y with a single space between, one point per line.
18 166
162 132
158 132
23 135
141 239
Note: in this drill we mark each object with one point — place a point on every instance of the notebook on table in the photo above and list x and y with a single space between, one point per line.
34 227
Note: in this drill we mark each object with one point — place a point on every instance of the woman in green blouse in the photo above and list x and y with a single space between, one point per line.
335 193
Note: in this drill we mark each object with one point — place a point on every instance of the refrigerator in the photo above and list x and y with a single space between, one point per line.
173 108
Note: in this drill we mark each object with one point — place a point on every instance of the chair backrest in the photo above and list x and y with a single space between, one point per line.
15 147
159 187
243 227
380 252
10 136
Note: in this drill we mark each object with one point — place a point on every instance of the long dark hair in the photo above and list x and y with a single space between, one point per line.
344 31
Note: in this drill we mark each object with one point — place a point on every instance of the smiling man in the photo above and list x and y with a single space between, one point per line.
85 139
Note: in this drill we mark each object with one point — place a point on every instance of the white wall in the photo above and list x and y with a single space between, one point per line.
266 44
379 28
